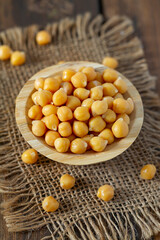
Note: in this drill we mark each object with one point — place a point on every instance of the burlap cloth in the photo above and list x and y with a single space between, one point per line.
134 211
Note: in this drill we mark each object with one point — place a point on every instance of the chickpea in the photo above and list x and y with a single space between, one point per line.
71 137
34 97
88 103
50 137
81 93
62 144
78 146
107 135
35 112
51 122
38 128
99 107
118 95
65 129
96 124
49 109
79 80
81 68
73 102
99 77
60 62
39 83
18 58
30 156
93 84
105 192
59 97
125 117
90 73
120 128
98 144
148 172
109 116
58 78
120 85
110 62
82 113
50 204
68 87
43 98
5 52
109 89
87 138
109 101
120 105
51 84
43 37
96 93
67 181
64 113
130 107
67 74
80 129
110 75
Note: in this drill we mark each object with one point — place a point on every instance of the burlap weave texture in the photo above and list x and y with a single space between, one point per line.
135 207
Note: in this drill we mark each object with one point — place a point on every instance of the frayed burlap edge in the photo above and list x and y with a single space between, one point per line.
103 225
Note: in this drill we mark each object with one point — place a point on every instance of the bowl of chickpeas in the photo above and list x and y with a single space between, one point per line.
79 113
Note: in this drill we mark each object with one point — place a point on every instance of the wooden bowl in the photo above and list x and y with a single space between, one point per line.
24 102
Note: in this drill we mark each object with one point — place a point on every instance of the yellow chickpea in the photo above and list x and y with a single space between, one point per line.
81 93
50 204
88 103
80 129
98 144
109 101
34 97
68 87
148 172
81 68
65 129
39 83
110 75
43 37
35 112
125 117
90 73
5 52
130 107
79 80
18 58
78 146
107 135
43 98
73 102
109 89
120 85
105 192
87 138
58 78
67 74
49 109
62 144
110 62
118 95
109 116
51 84
50 137
120 105
59 97
38 128
99 77
67 181
96 93
30 156
120 128
93 84
64 113
96 124
71 137
51 122
82 113
99 107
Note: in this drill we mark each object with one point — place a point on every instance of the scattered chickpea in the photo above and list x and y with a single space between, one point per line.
81 93
93 84
51 84
107 135
67 181
110 62
78 146
80 129
110 75
148 172
98 144
38 128
96 93
43 97
99 77
125 117
99 107
109 116
109 89
50 137
59 97
49 109
118 95
35 112
79 80
109 101
105 192
39 83
120 128
34 97
87 138
65 129
64 113
130 107
73 102
50 204
67 74
88 103
71 137
96 124
82 113
120 85
18 58
51 122
5 52
30 156
68 87
62 144
90 73
120 105
43 37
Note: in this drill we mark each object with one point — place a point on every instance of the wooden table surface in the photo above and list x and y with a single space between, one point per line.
144 13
